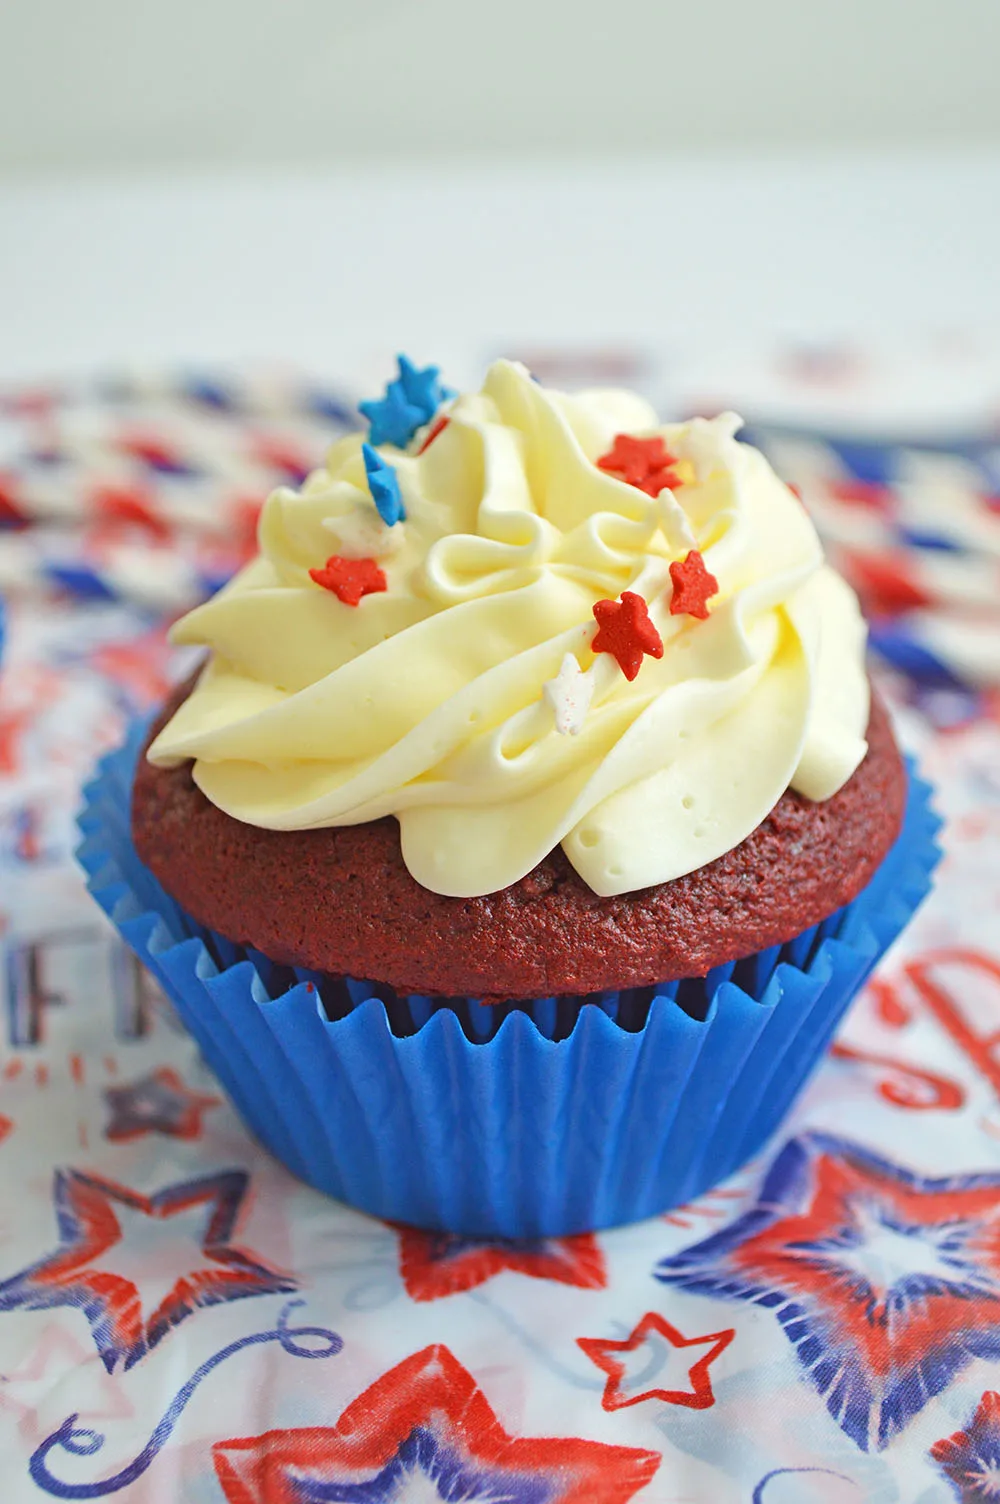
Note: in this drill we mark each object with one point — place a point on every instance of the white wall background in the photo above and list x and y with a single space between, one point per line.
132 83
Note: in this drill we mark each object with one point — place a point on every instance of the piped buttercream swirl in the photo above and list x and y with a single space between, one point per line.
428 701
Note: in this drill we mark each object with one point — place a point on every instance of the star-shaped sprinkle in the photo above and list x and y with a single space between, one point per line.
655 1342
646 463
383 483
570 694
361 534
708 443
626 632
410 401
392 419
693 586
349 579
423 388
674 521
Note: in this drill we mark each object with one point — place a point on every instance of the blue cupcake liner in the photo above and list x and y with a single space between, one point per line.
529 1121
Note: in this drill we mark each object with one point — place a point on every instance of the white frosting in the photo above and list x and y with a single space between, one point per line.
430 701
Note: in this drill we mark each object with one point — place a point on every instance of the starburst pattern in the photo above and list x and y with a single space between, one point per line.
434 1264
886 1282
426 1430
970 1459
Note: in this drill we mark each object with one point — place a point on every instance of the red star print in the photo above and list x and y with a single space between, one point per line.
434 1264
428 1421
350 579
646 463
158 1103
698 1397
626 632
693 585
72 1274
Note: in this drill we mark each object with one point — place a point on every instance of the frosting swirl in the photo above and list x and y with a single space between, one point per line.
438 699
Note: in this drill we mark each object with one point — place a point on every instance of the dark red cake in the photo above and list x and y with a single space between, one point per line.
341 901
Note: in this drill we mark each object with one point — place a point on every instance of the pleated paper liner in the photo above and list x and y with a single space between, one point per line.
527 1121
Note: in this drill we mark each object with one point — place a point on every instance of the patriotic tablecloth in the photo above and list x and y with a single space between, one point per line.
181 1320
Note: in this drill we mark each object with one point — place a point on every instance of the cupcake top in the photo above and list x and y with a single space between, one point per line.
516 619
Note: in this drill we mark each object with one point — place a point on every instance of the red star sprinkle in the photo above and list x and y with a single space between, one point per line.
626 632
438 426
645 463
349 579
693 585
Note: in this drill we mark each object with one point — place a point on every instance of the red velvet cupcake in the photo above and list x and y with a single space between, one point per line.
528 699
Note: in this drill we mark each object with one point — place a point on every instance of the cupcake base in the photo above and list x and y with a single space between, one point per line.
341 898
535 1120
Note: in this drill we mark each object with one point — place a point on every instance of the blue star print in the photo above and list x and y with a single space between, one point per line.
409 402
384 486
426 1458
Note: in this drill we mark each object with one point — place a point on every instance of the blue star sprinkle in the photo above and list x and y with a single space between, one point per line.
393 419
384 486
409 402
423 388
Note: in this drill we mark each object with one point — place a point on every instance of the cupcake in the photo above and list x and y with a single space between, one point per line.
531 822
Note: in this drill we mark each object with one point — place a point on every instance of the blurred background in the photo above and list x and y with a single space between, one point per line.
318 182
127 83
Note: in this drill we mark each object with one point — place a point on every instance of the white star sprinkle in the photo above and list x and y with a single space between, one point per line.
674 523
361 534
570 694
708 443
